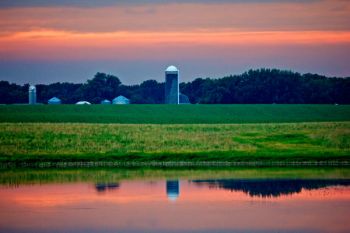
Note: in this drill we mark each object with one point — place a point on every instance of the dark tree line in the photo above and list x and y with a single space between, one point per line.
269 86
254 86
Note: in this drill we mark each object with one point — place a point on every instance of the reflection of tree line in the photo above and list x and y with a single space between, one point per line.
271 187
253 187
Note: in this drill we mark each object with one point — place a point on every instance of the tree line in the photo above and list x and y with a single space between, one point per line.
262 86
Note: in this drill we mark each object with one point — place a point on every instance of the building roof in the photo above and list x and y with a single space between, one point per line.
183 99
83 102
32 88
54 99
171 69
120 98
105 101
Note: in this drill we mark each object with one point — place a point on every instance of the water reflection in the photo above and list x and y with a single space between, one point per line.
204 205
172 189
102 187
270 187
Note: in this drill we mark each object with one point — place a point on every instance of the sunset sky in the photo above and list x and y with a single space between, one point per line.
45 41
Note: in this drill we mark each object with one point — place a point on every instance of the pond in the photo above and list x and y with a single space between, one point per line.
145 200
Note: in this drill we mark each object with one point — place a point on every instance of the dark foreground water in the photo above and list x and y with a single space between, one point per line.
177 205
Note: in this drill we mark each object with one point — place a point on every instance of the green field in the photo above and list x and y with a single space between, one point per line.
146 133
175 114
31 142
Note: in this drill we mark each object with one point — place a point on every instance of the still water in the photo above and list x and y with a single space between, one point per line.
156 204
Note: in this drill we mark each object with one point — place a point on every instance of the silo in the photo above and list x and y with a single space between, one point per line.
171 85
32 94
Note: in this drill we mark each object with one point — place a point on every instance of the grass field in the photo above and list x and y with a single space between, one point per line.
172 114
32 142
143 133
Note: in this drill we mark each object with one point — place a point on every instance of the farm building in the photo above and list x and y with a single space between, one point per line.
83 103
121 100
105 102
183 99
171 85
54 100
32 94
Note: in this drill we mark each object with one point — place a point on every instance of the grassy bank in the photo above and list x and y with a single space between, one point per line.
172 114
53 142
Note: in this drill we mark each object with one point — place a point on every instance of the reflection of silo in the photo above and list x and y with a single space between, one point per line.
32 94
172 189
172 85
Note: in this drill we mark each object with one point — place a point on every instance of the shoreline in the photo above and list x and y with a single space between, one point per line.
174 164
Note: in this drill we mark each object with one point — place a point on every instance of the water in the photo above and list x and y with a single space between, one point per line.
194 202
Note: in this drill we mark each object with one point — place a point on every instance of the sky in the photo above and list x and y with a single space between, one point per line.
46 41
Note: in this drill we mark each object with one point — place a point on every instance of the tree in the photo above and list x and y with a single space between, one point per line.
255 86
101 87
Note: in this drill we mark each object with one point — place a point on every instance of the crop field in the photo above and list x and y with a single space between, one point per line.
175 114
144 133
31 142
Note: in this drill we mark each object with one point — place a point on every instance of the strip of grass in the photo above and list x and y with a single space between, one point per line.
175 114
53 142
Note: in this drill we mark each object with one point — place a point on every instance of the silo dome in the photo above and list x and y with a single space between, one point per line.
171 85
171 69
32 94
32 88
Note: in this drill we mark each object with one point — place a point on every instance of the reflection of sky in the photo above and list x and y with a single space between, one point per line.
138 206
48 41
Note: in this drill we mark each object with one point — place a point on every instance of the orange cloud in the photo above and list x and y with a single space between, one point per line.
293 16
48 44
205 37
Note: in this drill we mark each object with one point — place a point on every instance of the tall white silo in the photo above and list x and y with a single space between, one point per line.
172 85
32 94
